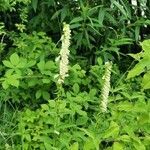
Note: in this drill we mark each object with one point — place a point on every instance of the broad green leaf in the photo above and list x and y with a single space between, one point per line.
5 85
117 146
138 69
146 46
14 59
137 56
8 64
46 95
146 81
14 82
45 107
112 131
9 72
74 146
50 65
21 64
34 4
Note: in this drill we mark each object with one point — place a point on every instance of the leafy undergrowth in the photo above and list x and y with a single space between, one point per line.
79 85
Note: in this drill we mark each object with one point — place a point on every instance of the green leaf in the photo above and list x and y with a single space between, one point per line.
74 146
13 81
77 19
41 65
146 46
46 80
99 61
8 64
76 88
34 4
31 63
120 7
101 16
45 95
117 146
125 138
73 26
138 69
138 144
137 33
81 120
14 59
112 131
88 145
38 94
125 106
146 81
5 85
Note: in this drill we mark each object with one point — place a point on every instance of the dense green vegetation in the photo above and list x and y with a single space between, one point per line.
84 90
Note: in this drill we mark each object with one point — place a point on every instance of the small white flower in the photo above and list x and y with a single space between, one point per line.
106 86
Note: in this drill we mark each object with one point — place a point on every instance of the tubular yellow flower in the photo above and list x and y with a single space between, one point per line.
106 86
64 53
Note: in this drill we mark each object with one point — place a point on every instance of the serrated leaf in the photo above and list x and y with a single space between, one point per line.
14 59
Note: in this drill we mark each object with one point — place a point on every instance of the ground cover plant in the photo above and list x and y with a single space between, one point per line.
75 75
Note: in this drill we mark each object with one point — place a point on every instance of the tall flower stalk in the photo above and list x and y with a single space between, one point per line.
106 86
64 54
